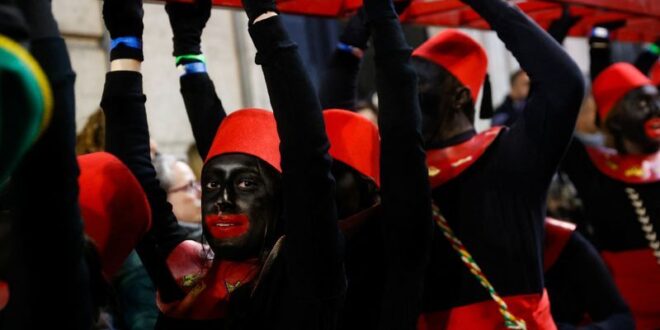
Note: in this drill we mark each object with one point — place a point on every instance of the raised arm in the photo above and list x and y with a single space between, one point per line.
127 133
560 27
48 233
339 82
647 58
338 88
204 109
600 51
557 86
313 248
405 191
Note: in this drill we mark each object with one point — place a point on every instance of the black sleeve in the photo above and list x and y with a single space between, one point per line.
560 27
403 196
127 137
339 82
600 56
48 264
575 164
582 173
645 61
579 283
205 111
313 249
557 87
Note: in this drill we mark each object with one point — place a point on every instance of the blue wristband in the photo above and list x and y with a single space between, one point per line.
195 67
132 42
344 47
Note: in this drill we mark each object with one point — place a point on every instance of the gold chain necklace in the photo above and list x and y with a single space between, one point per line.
645 220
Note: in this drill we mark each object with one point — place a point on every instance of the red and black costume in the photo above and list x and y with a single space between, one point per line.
387 245
581 290
621 196
494 195
304 286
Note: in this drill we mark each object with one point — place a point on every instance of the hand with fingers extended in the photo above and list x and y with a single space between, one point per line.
188 20
255 8
123 19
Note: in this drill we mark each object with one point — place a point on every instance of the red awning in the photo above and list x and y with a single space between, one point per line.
642 16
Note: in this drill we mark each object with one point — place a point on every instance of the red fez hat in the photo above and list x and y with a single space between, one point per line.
354 141
459 54
655 73
114 208
613 83
248 131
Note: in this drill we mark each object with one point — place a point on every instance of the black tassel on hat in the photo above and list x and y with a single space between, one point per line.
486 110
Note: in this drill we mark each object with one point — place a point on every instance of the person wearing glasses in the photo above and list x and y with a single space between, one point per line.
183 192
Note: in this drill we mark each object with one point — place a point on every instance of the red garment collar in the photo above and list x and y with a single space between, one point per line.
208 283
627 168
557 234
447 163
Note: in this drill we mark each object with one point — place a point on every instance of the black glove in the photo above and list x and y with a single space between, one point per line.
559 28
188 21
379 9
401 5
123 18
356 32
254 8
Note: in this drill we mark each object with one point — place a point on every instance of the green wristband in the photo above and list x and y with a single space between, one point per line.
194 57
655 49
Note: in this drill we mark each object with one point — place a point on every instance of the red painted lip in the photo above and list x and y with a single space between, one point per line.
652 128
223 226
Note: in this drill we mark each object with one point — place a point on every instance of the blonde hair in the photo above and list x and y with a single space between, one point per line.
92 136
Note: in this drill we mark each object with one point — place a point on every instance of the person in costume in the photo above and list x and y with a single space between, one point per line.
582 293
116 215
126 299
385 279
25 104
355 149
46 274
108 202
581 290
620 186
253 277
490 188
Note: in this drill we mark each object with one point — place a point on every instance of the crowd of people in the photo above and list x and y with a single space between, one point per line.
328 212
